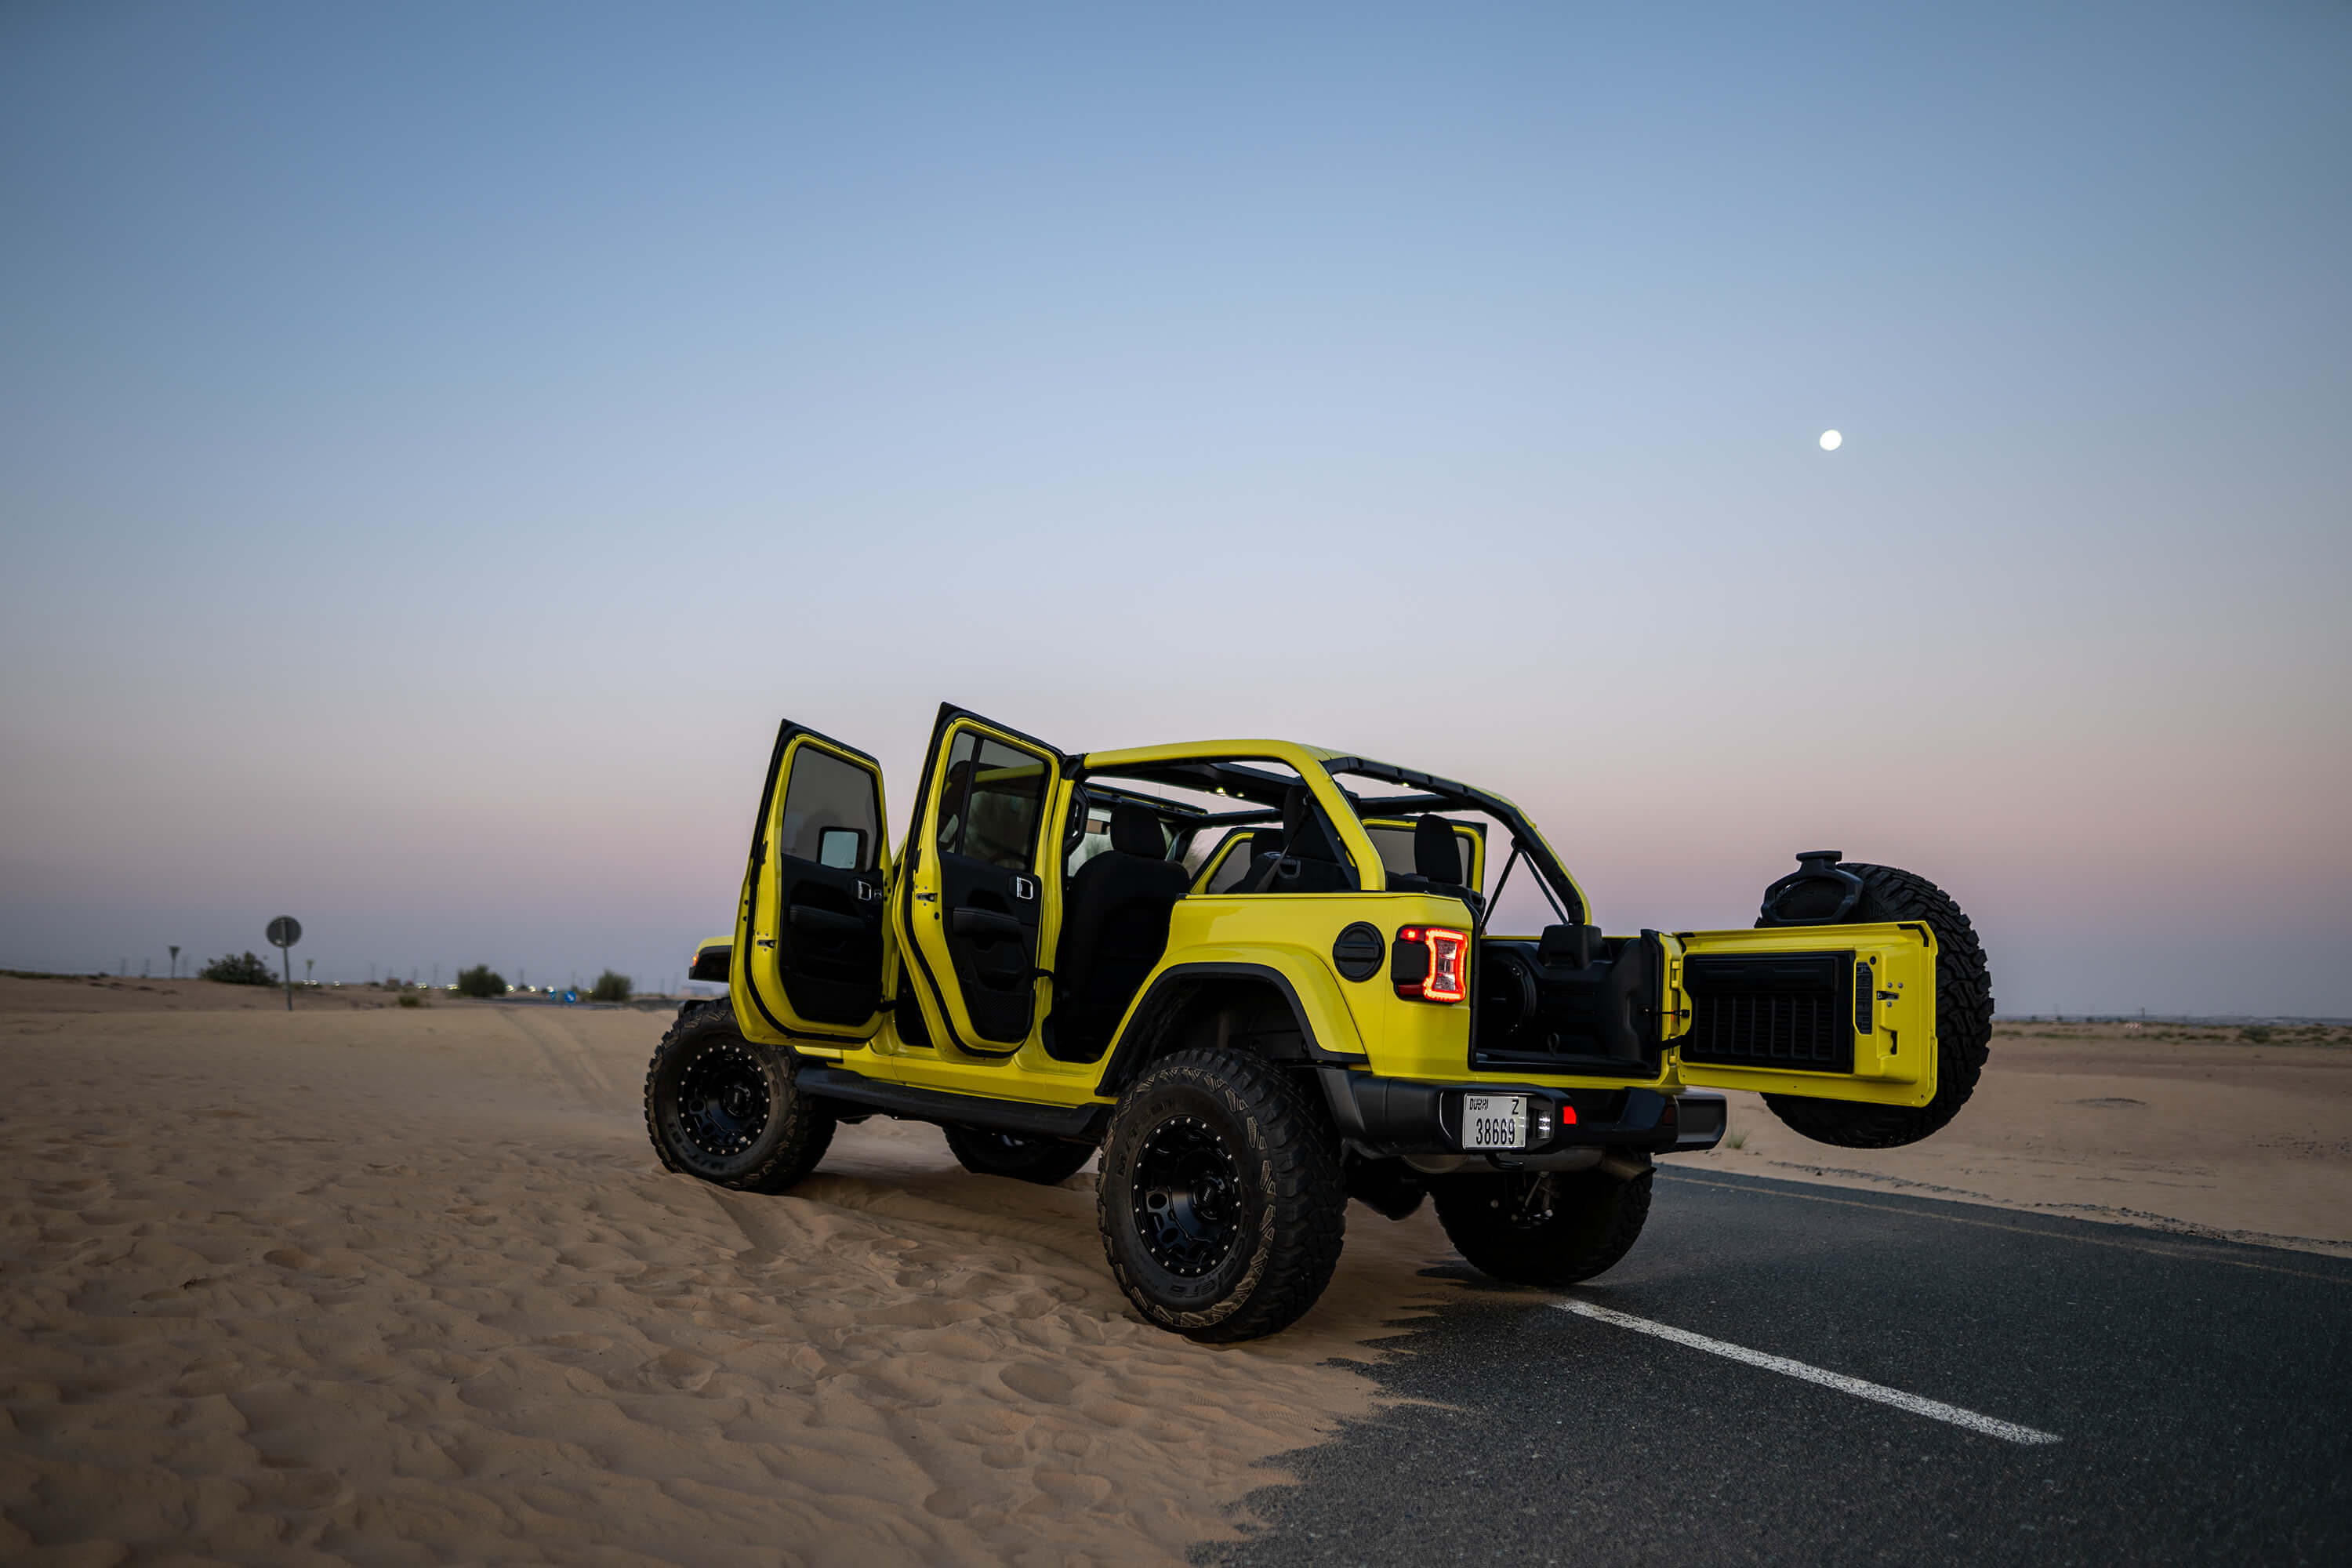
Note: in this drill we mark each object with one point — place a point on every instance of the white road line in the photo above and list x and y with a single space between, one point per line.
2006 1430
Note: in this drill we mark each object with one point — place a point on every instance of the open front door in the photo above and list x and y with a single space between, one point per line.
808 938
1827 1012
973 896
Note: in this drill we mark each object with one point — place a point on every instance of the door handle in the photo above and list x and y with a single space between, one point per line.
985 923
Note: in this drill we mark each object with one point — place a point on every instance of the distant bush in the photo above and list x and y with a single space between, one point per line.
609 987
2255 1033
480 980
411 999
242 969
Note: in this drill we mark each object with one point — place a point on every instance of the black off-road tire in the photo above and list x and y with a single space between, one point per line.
1963 1021
1220 1200
1045 1160
1542 1228
723 1109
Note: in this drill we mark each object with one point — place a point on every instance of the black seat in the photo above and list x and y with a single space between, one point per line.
1114 929
1265 849
1310 861
1437 864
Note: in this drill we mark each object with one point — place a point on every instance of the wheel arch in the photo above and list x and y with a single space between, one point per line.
1256 1004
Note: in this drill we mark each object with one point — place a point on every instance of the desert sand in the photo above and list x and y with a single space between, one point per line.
389 1284
379 1284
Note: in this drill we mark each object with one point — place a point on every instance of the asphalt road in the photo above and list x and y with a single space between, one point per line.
2200 1393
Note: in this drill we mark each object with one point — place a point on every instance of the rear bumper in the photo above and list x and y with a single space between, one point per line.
1385 1116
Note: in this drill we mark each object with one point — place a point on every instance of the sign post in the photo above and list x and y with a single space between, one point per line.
284 933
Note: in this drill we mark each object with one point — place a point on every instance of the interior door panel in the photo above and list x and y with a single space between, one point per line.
991 931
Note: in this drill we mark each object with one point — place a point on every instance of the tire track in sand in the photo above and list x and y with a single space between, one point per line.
572 1065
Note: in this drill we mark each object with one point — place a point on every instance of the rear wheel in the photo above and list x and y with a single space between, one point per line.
1220 1200
1542 1227
1963 1021
1045 1160
723 1109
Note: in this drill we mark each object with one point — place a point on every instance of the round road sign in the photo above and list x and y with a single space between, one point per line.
285 932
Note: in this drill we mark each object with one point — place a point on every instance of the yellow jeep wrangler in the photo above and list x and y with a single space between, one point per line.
1259 977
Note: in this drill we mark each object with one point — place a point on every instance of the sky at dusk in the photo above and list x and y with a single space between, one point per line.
439 443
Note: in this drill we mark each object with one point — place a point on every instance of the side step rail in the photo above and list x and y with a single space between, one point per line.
1077 1124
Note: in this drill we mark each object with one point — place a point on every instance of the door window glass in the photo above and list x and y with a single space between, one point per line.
826 801
990 801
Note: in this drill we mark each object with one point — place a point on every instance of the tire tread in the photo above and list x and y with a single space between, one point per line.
1310 1192
809 1123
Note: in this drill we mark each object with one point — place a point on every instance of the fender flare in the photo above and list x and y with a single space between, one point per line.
1334 1043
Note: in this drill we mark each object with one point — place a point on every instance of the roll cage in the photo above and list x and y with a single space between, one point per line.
1224 768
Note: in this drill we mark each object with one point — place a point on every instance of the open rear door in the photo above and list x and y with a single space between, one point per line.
808 936
1827 1012
981 876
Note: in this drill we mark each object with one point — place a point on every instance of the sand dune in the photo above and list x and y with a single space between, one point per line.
399 1285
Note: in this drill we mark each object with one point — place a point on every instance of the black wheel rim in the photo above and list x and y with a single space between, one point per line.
1188 1197
722 1101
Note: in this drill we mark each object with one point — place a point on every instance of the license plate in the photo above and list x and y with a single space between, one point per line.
1494 1121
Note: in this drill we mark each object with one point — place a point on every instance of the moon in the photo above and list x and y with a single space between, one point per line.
1831 440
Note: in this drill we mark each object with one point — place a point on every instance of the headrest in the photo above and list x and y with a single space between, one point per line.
1436 850
1574 947
1309 840
1265 841
1135 830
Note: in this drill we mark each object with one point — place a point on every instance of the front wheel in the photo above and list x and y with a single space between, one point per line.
722 1109
1550 1228
1221 1199
1045 1160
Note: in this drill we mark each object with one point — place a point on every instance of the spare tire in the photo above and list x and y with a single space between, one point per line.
1963 1000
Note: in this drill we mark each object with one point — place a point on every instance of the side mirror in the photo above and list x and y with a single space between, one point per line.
842 848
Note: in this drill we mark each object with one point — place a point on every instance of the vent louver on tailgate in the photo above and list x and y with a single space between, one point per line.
1786 1011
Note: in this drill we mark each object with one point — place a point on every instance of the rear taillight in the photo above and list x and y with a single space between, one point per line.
1431 963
